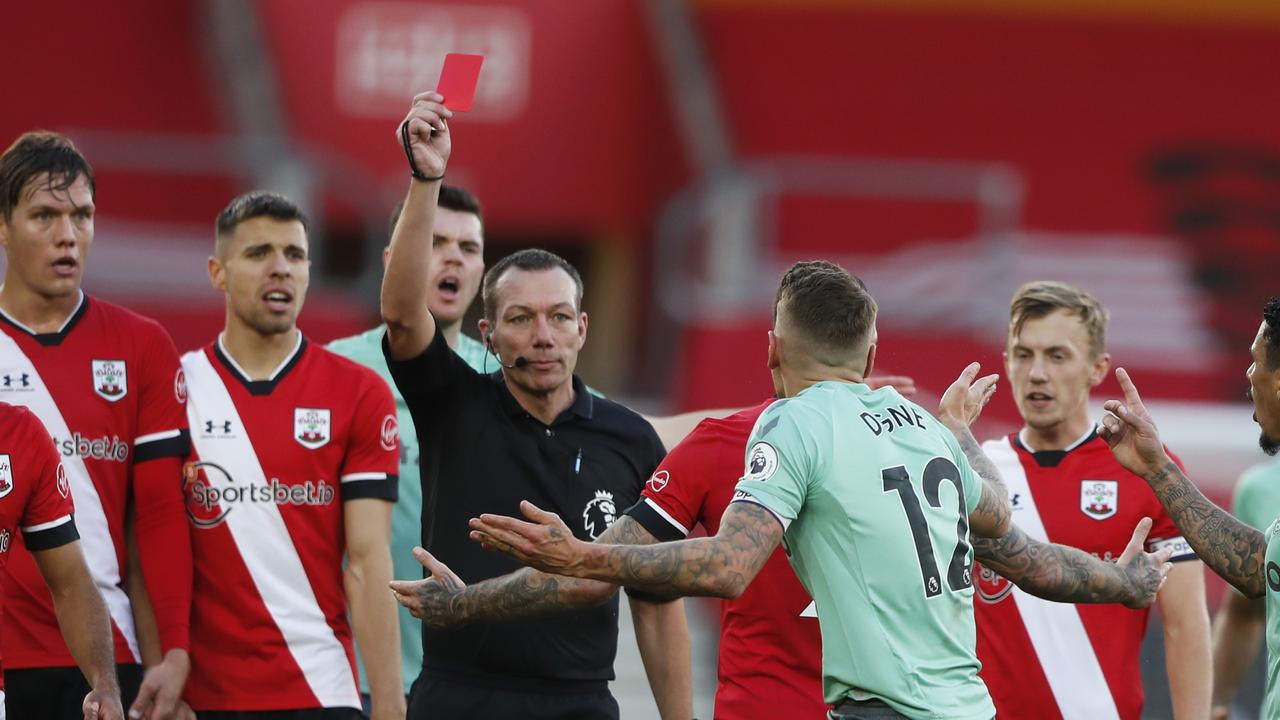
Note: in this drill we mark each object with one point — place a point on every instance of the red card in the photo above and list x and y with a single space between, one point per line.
458 80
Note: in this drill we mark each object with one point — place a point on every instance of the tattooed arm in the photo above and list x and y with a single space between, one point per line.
443 600
1235 551
720 566
1065 574
959 407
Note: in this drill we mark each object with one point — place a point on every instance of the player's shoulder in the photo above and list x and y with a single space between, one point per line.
358 344
123 317
1265 475
341 368
16 419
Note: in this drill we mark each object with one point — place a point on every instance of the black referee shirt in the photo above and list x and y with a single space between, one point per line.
482 453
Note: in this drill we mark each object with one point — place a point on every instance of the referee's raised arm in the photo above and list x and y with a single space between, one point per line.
424 137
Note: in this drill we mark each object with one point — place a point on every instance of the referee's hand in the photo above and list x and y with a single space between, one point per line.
430 599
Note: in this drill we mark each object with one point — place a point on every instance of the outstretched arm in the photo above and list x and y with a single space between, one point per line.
959 407
1235 551
443 600
1066 574
720 566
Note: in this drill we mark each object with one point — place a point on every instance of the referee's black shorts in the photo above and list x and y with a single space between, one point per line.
56 693
447 698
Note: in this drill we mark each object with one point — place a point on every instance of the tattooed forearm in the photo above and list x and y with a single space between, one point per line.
1063 574
720 566
1235 551
993 507
530 593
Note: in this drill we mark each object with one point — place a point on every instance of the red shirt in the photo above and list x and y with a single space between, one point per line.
34 492
108 389
770 654
1051 660
274 461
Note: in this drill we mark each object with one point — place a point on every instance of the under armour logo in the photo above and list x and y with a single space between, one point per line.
225 427
23 380
1014 500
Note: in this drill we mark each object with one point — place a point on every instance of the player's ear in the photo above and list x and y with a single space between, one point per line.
217 274
1101 366
871 360
775 354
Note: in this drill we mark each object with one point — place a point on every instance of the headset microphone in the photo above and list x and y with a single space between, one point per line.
519 363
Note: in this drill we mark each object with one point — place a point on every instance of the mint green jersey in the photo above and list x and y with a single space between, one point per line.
406 515
1256 501
875 496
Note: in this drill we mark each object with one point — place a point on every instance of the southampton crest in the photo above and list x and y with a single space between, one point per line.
311 427
110 380
1098 498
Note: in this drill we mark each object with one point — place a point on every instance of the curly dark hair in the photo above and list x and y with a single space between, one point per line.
36 153
1271 332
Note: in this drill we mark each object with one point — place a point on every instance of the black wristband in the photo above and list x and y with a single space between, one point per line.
408 153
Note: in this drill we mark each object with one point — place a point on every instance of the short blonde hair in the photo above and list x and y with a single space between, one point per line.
1043 297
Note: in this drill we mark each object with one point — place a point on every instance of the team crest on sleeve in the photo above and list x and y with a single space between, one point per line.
180 387
6 475
1099 498
762 462
64 487
599 514
311 427
110 380
659 480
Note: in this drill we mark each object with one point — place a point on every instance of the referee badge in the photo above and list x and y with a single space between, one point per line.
311 427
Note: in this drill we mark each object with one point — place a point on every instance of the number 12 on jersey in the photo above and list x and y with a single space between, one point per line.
897 479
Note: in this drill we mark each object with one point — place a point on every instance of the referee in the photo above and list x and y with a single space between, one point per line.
530 430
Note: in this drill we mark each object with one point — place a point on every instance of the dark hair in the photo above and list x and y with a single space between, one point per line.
532 259
1044 297
35 153
830 307
451 198
256 204
1271 332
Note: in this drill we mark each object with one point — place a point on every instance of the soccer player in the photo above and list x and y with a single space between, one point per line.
295 467
107 386
35 496
531 429
770 649
1246 558
1241 622
876 499
1052 660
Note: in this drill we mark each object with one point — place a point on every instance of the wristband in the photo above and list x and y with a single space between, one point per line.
408 153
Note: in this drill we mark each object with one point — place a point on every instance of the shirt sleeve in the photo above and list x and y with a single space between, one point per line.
373 447
47 520
672 499
1164 533
162 408
780 464
423 380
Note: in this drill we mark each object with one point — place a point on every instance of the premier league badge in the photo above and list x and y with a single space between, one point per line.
110 380
1098 498
311 427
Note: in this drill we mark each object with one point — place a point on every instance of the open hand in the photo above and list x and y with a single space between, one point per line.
429 142
430 599
1131 432
545 544
1146 571
962 403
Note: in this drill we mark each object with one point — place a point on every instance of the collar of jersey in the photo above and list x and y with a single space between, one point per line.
1053 458
53 338
260 387
583 402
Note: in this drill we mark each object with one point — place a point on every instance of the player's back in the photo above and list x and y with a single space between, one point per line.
881 495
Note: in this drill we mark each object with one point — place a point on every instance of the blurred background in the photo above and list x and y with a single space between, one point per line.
683 154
